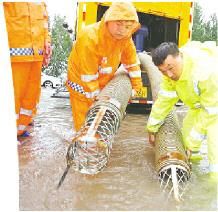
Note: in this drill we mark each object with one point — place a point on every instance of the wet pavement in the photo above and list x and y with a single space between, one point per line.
129 182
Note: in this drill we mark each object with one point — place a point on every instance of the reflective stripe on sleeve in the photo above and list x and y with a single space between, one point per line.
78 88
196 88
130 65
23 51
197 105
135 74
213 167
91 95
106 70
212 110
25 112
197 136
89 77
153 121
170 94
196 153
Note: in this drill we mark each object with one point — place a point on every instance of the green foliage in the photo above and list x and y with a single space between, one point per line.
197 30
61 47
204 30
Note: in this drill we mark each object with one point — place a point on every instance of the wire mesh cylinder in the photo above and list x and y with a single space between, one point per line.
170 158
168 144
117 92
91 147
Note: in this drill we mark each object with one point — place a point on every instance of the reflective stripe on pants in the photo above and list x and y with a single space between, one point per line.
211 135
26 80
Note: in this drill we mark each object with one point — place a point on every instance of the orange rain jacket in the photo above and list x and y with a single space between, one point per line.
96 56
27 26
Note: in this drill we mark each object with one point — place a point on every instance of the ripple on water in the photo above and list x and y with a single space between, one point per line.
129 182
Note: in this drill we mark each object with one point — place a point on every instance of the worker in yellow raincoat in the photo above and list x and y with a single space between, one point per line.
190 74
96 55
29 42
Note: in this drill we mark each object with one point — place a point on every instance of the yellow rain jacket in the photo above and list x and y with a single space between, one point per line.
198 89
95 58
27 27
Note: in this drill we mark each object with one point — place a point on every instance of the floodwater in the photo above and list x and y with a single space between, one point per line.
129 182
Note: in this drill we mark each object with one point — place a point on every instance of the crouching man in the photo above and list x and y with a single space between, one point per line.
191 75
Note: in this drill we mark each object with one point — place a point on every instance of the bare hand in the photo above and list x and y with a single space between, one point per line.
47 54
151 138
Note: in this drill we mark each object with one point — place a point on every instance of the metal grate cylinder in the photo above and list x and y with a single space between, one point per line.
170 158
168 145
171 161
90 149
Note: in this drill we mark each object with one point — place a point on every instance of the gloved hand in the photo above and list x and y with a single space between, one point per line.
47 54
95 98
194 156
134 92
151 138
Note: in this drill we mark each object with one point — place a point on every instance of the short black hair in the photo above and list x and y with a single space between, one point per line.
162 51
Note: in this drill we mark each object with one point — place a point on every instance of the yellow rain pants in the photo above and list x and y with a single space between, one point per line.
197 87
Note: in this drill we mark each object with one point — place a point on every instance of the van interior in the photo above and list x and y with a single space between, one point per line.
154 30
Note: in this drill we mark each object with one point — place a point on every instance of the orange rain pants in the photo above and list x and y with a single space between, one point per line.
37 101
26 79
80 106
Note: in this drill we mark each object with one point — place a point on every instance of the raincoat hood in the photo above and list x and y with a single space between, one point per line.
122 11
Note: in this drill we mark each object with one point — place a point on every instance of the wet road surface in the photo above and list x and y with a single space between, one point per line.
129 182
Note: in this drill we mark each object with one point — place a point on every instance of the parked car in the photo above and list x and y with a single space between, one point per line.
50 81
61 92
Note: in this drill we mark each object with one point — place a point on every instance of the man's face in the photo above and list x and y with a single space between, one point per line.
121 29
172 67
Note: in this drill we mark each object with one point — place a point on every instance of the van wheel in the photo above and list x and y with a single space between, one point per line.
48 84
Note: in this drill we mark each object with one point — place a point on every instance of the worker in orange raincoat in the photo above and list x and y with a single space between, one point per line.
29 42
96 55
